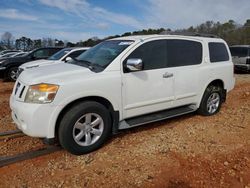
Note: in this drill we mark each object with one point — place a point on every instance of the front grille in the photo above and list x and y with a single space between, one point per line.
21 93
19 90
17 87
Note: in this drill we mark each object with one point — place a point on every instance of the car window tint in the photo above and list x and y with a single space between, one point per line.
53 51
153 54
218 52
41 53
183 53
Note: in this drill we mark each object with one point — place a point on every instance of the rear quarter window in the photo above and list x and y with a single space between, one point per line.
183 53
218 52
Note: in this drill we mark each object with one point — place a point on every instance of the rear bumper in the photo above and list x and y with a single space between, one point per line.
243 67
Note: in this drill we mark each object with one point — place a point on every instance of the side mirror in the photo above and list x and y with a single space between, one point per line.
68 59
134 65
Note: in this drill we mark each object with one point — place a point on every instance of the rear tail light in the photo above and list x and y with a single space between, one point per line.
248 61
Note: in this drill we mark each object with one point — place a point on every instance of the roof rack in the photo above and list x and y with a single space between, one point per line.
188 34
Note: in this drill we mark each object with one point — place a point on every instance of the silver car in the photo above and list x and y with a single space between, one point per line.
241 57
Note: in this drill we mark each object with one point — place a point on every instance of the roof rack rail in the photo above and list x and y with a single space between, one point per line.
188 34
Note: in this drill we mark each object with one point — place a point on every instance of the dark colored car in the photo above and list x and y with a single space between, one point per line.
9 66
8 51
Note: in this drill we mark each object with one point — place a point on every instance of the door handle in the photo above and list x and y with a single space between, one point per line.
168 75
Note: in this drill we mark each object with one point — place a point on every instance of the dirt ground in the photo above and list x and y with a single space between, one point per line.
187 151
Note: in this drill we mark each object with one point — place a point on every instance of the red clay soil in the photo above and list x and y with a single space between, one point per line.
187 151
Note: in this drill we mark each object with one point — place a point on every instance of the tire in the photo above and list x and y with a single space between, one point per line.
12 74
211 101
84 128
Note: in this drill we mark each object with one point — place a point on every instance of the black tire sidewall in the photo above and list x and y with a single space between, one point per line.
66 127
203 106
9 73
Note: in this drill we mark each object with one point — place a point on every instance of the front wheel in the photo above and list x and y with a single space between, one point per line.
211 101
84 128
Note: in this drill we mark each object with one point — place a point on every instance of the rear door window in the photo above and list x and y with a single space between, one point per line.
218 52
183 53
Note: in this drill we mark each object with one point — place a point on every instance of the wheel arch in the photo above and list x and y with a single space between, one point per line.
215 82
114 114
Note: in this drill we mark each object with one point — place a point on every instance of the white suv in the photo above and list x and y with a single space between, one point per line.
119 84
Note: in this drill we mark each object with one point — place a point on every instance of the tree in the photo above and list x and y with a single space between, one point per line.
46 42
59 43
50 42
7 39
24 44
37 43
70 44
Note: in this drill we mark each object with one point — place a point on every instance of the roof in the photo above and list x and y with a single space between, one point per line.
135 37
145 37
242 46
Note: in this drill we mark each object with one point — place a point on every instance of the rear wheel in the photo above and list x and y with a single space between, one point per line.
211 101
84 128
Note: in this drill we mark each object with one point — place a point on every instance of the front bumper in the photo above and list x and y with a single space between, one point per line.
243 67
33 119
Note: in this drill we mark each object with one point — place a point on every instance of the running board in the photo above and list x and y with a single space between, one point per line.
156 116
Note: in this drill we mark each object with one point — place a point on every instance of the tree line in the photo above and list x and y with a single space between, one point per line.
232 32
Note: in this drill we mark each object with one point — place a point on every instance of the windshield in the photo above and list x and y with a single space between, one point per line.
59 54
102 54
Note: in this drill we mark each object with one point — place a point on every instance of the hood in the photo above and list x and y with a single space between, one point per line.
21 59
37 63
56 73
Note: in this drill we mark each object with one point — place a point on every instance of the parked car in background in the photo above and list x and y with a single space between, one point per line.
19 54
8 51
61 56
9 54
241 57
9 66
119 84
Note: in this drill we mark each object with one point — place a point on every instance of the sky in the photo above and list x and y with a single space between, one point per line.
76 20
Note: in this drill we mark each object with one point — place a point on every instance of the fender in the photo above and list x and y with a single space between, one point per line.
59 107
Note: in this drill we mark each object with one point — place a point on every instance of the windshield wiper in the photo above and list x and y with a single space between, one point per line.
92 66
86 63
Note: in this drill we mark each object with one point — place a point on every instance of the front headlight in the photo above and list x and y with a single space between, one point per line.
41 93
